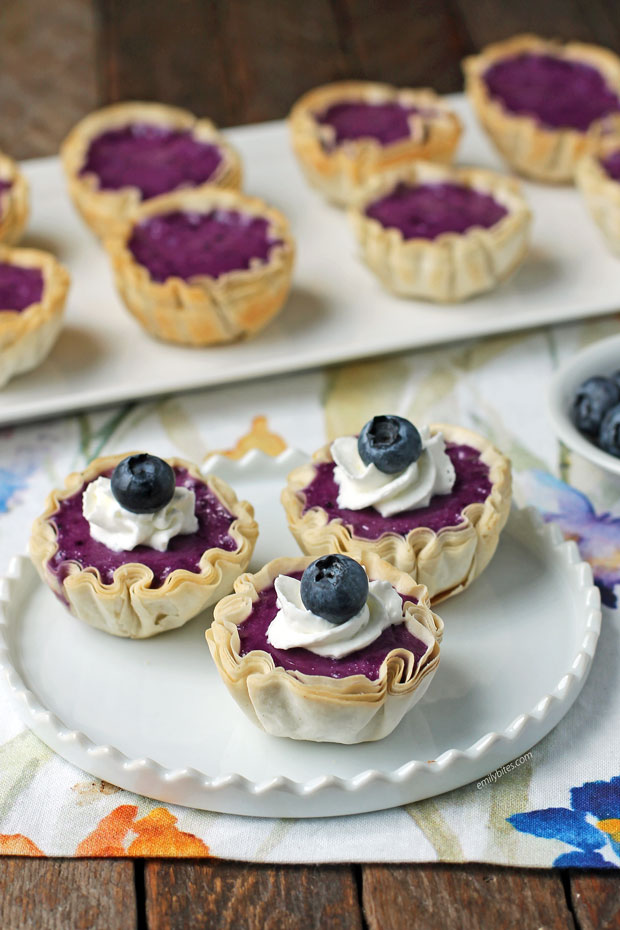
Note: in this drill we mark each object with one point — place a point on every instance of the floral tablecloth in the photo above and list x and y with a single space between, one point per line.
559 806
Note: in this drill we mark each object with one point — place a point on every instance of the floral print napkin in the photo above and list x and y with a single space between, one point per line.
558 805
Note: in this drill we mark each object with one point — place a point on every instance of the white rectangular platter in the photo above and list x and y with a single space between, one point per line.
337 309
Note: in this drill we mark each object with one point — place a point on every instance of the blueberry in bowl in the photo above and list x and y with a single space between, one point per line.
609 436
592 401
581 395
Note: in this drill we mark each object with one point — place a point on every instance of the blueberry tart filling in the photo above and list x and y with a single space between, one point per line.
20 286
335 649
430 500
359 119
560 92
151 158
136 545
188 245
143 511
426 211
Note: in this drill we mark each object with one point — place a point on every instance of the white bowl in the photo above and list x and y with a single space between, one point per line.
602 358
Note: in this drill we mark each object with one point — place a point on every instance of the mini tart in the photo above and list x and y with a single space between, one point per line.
601 188
544 152
339 169
129 605
14 202
351 709
202 310
454 265
28 331
106 210
446 560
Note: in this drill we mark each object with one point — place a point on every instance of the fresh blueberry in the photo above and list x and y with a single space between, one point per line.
334 587
609 436
143 483
615 377
592 401
390 443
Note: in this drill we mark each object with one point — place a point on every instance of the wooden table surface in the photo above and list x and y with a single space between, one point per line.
243 61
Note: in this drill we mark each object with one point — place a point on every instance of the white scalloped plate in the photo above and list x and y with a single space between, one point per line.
153 716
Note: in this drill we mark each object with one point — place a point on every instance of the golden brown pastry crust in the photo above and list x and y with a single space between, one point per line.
14 202
445 562
340 171
27 336
600 191
354 709
106 211
205 310
536 151
454 266
129 606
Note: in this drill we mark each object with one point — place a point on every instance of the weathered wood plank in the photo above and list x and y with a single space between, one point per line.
47 76
595 898
433 897
490 20
234 896
170 52
234 60
407 44
57 894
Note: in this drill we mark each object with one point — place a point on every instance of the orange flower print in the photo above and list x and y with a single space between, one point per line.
17 845
156 834
108 837
612 827
259 437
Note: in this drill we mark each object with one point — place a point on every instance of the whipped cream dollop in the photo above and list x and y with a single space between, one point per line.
294 626
365 486
121 530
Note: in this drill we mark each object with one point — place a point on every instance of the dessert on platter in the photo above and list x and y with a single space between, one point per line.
203 266
335 650
431 501
439 233
14 203
344 133
127 153
540 100
136 545
33 291
598 179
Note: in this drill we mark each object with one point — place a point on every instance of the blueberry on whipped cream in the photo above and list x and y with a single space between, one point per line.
333 610
391 467
389 442
334 587
139 505
143 483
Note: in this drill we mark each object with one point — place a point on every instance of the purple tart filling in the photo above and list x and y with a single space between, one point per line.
367 661
611 164
472 485
426 211
19 287
75 543
5 185
188 245
560 93
356 119
152 158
